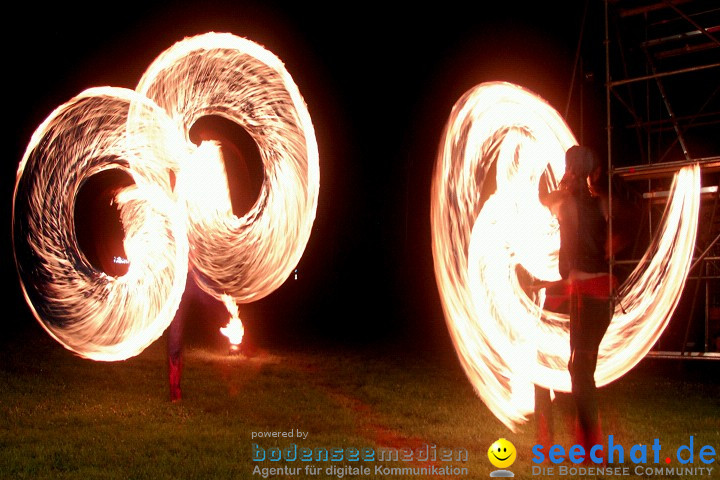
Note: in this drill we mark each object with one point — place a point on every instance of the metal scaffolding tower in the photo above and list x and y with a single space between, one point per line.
662 83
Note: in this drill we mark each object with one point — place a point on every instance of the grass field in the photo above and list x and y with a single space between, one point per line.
68 418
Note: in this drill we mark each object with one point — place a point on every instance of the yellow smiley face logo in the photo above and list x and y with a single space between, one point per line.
502 453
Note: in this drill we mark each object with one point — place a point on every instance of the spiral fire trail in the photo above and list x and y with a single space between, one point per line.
500 145
221 74
145 133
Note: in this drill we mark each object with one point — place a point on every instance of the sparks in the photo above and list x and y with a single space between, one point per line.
507 342
146 133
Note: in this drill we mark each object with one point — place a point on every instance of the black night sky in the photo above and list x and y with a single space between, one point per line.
379 81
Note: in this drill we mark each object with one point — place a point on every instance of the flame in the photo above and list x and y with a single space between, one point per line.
506 341
234 330
145 133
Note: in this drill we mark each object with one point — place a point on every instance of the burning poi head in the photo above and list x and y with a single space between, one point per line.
482 237
146 134
234 330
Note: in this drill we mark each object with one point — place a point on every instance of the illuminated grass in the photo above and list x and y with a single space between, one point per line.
68 418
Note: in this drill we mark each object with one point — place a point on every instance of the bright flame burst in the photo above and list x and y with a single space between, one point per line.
234 330
146 134
482 236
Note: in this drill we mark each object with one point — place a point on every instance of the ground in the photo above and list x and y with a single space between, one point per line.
65 417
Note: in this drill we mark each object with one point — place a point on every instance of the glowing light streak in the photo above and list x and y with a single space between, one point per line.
505 340
89 312
224 75
145 133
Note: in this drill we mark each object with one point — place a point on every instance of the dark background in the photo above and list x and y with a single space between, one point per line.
379 81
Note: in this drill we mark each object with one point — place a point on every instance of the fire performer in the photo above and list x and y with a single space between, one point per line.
175 334
175 341
584 268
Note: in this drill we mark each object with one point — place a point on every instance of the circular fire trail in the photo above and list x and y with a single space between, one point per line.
489 228
178 211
